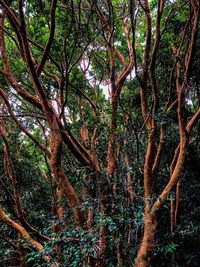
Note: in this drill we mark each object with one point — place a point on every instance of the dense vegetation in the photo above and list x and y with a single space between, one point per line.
99 133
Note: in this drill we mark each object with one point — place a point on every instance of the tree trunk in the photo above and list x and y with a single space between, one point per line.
148 242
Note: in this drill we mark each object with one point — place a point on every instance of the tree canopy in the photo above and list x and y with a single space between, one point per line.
99 127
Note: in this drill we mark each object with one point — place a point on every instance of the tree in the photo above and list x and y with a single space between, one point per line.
92 151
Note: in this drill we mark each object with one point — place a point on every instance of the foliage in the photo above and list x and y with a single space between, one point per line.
69 207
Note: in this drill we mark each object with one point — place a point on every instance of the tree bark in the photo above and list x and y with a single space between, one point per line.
147 247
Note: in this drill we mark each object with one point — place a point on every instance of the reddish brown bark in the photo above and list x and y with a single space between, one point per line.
10 173
60 134
148 242
159 150
130 179
172 212
130 176
52 119
147 247
4 218
116 84
51 37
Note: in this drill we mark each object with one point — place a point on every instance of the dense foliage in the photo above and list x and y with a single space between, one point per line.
99 148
